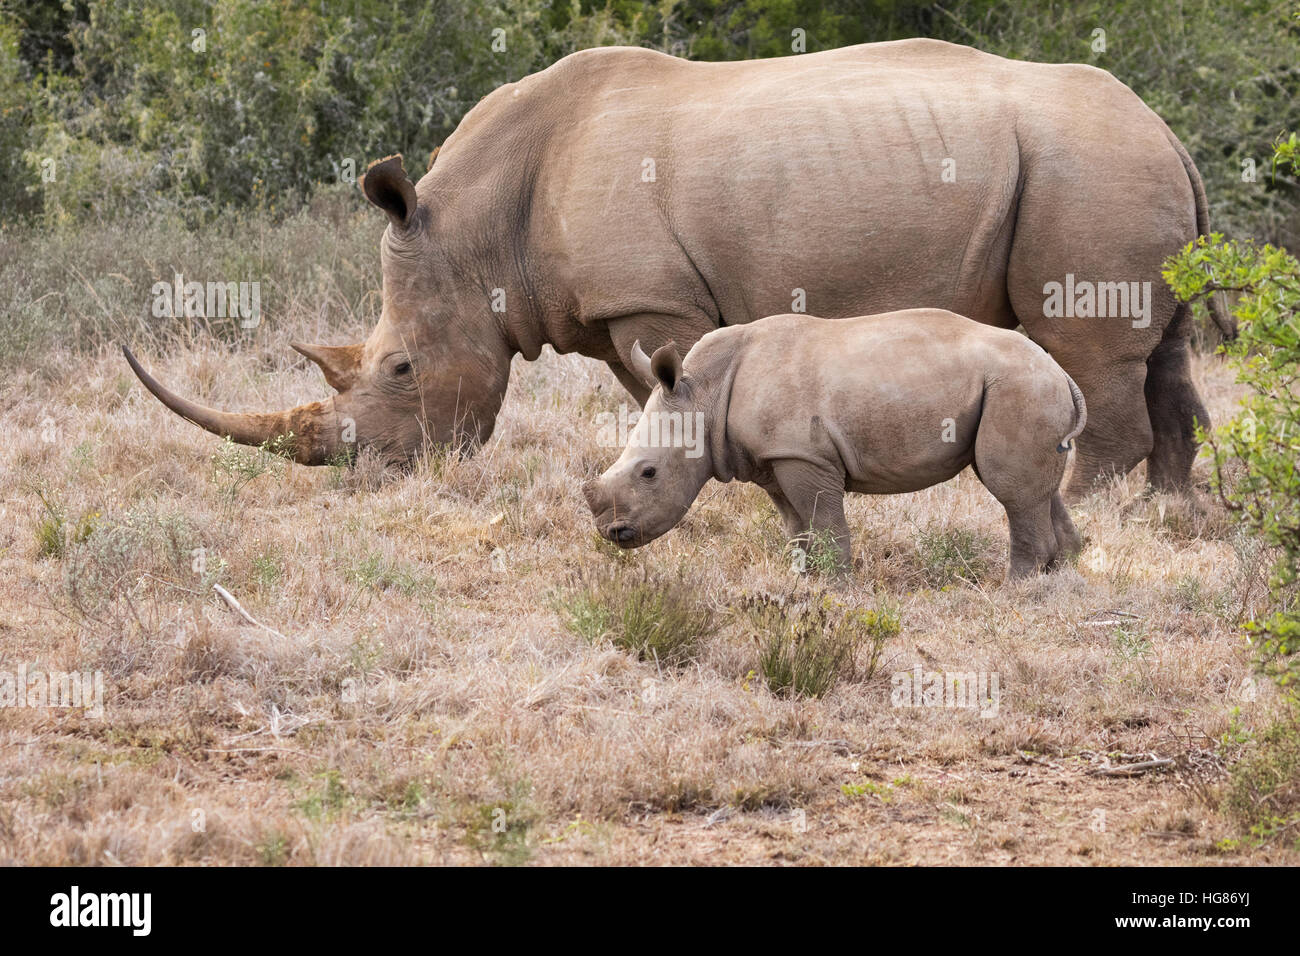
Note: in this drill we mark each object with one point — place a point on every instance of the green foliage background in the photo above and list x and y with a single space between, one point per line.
285 93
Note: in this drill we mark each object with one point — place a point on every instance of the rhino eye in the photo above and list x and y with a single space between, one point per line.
403 369
648 471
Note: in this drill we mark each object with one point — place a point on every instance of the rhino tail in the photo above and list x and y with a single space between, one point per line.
1218 308
1080 416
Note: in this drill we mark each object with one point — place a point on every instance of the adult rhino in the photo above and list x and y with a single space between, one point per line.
625 195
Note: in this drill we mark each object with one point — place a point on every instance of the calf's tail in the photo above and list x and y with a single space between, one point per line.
1080 416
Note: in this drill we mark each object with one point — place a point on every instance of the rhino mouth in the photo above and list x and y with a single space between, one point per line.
623 534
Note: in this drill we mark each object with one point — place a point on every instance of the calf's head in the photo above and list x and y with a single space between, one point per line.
433 371
666 462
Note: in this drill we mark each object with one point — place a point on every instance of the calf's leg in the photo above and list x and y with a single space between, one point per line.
1017 458
815 495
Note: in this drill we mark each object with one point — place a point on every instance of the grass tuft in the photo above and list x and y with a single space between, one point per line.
658 619
805 650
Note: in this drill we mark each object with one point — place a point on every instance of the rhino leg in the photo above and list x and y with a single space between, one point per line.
789 517
1173 407
1017 460
1118 434
814 497
1068 541
1077 224
1033 539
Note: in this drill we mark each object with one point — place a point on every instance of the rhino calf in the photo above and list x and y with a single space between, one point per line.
808 409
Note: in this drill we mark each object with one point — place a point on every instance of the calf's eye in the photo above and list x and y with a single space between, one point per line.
648 472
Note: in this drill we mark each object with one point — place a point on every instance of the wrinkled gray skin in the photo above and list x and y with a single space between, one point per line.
809 409
626 195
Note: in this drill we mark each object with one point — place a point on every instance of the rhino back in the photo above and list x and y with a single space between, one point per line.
725 188
896 398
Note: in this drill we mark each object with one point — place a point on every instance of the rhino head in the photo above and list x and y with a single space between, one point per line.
667 460
433 371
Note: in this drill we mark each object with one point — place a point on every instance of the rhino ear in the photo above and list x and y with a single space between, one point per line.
386 185
340 363
666 365
433 157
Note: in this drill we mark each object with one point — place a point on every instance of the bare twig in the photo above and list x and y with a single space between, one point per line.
1132 769
238 609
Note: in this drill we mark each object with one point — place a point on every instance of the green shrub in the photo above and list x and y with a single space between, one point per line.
1262 794
1255 474
659 619
948 554
1255 453
805 649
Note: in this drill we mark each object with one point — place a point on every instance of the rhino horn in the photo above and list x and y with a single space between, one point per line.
340 363
313 427
641 364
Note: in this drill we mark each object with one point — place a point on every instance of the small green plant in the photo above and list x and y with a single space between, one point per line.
51 541
1262 794
268 570
658 619
272 849
53 536
499 830
823 553
805 649
586 614
379 573
234 466
1131 642
949 554
365 654
327 799
884 792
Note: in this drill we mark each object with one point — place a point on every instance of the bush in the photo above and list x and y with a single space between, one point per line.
139 113
948 554
1262 794
658 619
805 649
1255 474
1255 453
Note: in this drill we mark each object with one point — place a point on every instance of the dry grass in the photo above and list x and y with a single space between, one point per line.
424 701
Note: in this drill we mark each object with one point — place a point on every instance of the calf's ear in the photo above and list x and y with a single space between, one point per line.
666 365
386 185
